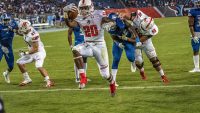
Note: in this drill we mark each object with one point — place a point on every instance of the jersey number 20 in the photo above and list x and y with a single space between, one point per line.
91 30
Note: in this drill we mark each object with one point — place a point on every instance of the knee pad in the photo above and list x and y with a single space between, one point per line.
155 62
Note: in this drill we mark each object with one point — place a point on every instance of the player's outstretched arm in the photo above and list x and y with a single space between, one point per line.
107 23
134 38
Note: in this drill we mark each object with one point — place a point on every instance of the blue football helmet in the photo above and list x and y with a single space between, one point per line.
113 16
5 19
119 22
196 3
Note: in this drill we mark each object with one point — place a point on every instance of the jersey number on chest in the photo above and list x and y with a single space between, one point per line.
90 30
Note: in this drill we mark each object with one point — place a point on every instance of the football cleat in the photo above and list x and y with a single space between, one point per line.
25 82
49 84
164 79
6 76
112 89
143 75
133 68
83 81
77 80
195 70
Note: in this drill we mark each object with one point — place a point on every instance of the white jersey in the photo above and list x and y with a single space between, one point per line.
91 26
31 37
140 16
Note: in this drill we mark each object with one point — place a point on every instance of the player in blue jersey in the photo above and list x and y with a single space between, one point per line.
79 38
194 25
121 31
7 28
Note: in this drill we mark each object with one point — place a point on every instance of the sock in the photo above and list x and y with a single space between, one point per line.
76 72
142 70
26 76
114 73
85 67
161 72
196 61
46 78
82 73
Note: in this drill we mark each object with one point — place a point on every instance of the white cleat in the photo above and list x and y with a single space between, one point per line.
6 76
25 82
133 68
195 70
77 80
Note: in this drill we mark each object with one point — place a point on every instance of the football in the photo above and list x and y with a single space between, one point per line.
72 15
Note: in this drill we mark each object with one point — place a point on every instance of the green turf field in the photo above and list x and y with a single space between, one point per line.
182 94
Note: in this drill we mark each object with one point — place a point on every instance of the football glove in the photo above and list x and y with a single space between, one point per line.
120 45
22 53
195 39
71 7
124 38
108 26
138 43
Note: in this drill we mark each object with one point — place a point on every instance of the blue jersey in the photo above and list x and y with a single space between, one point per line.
196 14
120 30
79 37
6 33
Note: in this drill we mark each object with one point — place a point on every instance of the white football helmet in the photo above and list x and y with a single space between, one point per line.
147 23
24 25
85 7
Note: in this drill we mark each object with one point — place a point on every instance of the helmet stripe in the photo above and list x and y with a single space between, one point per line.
83 2
149 23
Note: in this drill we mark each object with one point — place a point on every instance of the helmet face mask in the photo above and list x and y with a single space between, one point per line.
24 26
85 7
196 3
6 19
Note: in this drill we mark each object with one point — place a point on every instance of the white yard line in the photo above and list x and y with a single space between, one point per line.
95 89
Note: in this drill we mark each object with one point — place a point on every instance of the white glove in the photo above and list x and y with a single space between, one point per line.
195 39
107 26
121 45
124 38
21 53
71 7
138 45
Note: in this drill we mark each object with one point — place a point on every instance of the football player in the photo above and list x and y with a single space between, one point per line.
36 53
146 29
7 29
194 25
79 39
91 22
121 31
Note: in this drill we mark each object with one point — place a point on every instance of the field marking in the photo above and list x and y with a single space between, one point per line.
95 89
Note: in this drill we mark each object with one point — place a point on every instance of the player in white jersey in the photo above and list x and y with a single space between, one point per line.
36 53
146 29
91 23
